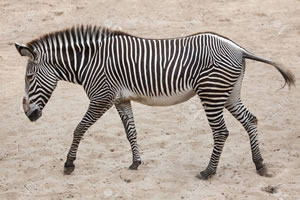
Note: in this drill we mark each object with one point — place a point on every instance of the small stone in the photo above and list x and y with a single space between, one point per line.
127 180
58 13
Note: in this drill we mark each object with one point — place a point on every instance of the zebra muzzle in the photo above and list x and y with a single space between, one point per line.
34 115
32 111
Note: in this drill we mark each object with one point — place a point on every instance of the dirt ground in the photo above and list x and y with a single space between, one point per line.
175 142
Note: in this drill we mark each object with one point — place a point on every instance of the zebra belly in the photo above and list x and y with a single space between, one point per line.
173 99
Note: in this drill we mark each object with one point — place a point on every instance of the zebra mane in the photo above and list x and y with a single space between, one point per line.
88 31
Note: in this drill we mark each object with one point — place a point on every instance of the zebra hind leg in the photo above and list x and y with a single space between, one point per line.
126 115
95 111
220 134
249 122
214 92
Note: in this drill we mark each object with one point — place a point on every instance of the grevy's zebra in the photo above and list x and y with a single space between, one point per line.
115 68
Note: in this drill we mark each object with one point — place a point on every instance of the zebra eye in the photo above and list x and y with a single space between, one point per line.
30 76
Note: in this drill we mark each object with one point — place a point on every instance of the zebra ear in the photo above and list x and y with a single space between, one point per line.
25 51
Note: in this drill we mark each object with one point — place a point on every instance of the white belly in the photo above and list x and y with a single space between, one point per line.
160 100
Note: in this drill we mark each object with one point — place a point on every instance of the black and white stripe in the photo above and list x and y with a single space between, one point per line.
115 68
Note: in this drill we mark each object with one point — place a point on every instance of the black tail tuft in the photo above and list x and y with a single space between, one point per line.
288 76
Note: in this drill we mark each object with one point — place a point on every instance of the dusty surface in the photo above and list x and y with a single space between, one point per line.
175 142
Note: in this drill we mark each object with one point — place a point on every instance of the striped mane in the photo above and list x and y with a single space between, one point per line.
86 32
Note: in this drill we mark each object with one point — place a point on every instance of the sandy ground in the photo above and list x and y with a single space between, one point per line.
175 142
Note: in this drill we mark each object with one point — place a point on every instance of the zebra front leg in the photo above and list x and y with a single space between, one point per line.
95 111
249 122
125 112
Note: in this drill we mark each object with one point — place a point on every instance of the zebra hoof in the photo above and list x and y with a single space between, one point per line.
135 165
69 168
261 168
262 171
205 175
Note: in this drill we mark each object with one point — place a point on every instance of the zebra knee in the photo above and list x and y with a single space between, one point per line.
253 119
221 136
226 134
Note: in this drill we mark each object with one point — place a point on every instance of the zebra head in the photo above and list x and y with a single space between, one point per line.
40 81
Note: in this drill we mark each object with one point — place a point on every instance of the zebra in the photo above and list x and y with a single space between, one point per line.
115 68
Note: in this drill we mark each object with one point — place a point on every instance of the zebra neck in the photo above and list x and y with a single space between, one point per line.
75 63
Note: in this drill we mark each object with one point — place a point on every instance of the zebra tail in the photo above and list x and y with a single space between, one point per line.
288 76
